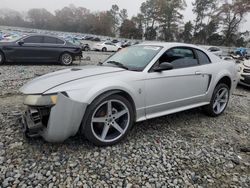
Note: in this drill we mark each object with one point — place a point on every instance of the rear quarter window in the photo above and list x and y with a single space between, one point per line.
203 58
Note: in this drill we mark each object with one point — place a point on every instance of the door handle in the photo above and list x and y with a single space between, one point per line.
198 73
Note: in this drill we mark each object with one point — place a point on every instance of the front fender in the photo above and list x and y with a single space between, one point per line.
87 96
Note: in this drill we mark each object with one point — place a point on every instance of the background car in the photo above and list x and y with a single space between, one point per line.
215 50
39 48
106 47
79 43
245 72
142 82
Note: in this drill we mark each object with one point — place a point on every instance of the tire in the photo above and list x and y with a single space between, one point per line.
103 128
214 110
104 49
2 58
66 59
86 48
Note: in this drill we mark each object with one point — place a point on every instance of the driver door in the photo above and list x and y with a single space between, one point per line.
170 90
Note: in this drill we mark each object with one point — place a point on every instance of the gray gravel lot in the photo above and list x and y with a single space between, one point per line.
187 149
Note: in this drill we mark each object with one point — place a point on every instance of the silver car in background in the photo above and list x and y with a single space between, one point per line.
135 84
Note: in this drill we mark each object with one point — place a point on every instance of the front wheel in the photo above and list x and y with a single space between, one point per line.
219 101
1 58
66 59
104 49
108 120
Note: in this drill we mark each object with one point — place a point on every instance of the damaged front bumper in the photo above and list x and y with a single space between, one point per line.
56 123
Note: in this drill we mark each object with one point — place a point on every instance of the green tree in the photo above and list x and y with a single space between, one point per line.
205 11
150 33
123 15
115 17
232 15
187 33
170 17
128 30
41 18
138 20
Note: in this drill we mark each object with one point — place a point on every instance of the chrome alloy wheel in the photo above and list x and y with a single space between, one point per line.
66 59
110 121
221 100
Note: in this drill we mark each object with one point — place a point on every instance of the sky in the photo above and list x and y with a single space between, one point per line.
133 6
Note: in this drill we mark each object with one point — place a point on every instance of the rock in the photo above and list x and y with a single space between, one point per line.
51 185
48 173
73 165
39 176
96 154
1 160
16 145
5 183
194 178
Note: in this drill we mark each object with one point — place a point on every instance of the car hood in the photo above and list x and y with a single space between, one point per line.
44 83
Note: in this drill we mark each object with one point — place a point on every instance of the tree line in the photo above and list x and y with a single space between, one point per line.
217 22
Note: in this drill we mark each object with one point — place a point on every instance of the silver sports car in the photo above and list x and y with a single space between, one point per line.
137 83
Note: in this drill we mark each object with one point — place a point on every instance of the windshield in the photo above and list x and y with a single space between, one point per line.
133 58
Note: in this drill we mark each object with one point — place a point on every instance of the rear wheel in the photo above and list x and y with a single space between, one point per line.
86 48
1 58
219 101
66 59
104 49
108 120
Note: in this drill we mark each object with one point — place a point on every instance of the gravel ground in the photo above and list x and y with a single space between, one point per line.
187 149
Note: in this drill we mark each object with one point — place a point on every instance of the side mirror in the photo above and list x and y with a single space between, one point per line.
21 42
163 66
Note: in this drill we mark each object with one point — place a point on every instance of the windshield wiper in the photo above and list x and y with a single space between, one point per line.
118 64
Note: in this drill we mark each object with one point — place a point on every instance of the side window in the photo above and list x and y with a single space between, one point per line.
179 57
107 43
50 40
203 58
59 41
33 39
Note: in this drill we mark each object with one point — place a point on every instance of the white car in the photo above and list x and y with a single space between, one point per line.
141 82
106 47
245 72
